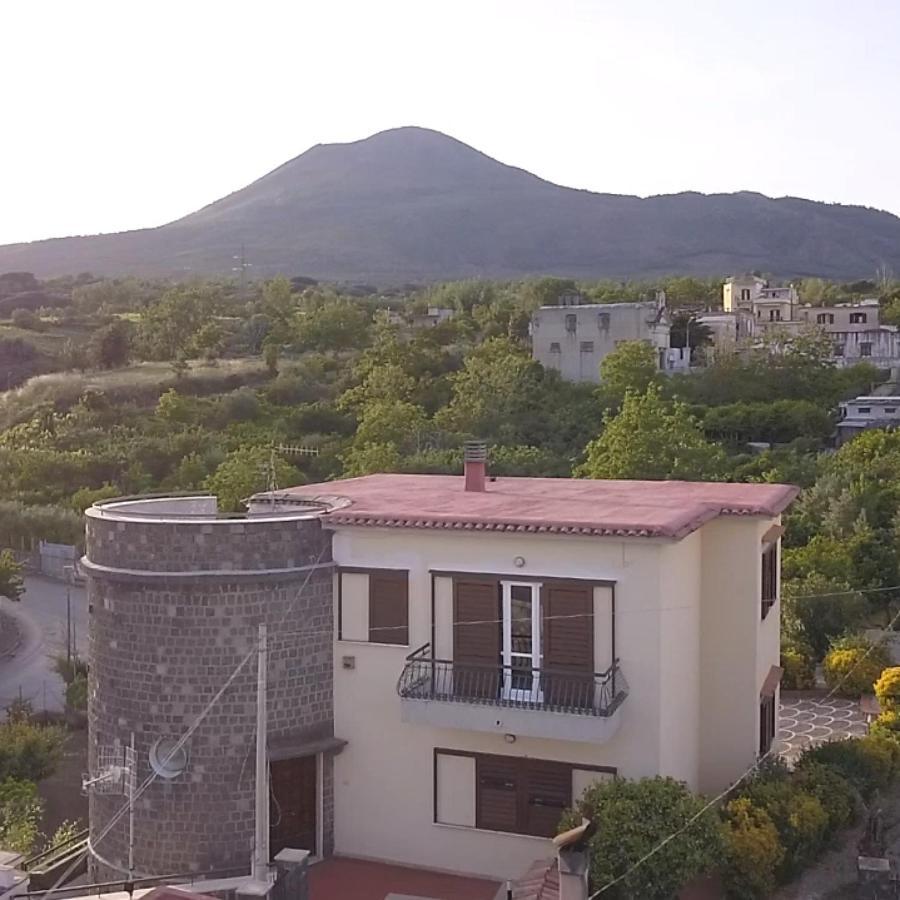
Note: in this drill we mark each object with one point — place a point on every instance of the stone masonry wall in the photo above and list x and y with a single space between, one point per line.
162 646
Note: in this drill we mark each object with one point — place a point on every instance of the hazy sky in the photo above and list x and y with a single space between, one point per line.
132 113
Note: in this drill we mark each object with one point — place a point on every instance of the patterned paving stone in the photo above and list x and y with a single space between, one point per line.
808 721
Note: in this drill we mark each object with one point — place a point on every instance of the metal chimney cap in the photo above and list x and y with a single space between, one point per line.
475 451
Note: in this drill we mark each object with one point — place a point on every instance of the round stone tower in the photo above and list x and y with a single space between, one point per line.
176 593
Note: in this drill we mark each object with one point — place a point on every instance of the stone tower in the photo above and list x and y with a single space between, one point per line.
176 593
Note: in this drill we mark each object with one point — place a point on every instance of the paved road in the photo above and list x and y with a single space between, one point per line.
40 617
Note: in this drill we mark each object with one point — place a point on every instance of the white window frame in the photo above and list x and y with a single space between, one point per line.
535 694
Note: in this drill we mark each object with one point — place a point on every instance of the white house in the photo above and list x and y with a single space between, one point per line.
501 643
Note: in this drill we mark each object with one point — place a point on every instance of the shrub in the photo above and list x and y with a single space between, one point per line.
29 752
26 318
632 817
853 665
20 815
799 816
77 694
868 763
887 689
832 790
799 666
753 851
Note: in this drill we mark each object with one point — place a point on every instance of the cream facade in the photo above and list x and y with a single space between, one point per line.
679 622
575 339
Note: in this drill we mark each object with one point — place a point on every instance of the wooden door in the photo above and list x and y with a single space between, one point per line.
293 804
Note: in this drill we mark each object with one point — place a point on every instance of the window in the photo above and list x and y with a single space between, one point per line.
554 347
769 576
388 607
571 322
858 318
766 723
587 346
865 348
745 293
774 315
507 793
838 350
603 321
890 409
373 605
864 410
825 318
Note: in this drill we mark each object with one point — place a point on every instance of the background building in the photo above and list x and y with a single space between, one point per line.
575 339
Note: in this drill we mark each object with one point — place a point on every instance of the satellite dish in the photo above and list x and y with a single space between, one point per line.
166 763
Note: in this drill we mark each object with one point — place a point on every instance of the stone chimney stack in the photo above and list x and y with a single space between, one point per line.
475 465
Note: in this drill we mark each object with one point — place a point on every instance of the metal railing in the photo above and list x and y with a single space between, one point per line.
588 694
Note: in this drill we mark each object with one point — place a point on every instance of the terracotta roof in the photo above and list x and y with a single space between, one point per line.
669 509
540 882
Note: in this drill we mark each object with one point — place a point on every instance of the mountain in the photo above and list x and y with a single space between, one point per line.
412 204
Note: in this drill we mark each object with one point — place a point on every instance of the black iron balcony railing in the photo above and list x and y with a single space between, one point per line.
519 686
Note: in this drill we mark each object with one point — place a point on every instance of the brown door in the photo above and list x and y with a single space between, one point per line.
476 637
292 804
568 651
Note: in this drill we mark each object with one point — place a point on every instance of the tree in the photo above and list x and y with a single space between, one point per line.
652 439
248 471
110 347
20 815
817 609
168 328
333 326
688 331
12 585
632 366
634 817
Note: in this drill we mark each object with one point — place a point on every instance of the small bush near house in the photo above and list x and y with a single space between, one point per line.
20 815
887 689
868 763
832 790
753 851
887 726
800 818
632 817
799 666
853 665
29 752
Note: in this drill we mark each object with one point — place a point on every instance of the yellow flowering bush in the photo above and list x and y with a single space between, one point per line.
854 670
753 851
887 689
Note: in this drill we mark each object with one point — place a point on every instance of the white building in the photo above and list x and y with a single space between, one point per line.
500 644
862 413
767 303
575 339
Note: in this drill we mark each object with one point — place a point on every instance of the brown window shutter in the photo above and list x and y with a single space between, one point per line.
389 607
548 793
476 646
497 793
568 644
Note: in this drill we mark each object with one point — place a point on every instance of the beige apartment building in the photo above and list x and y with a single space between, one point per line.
499 644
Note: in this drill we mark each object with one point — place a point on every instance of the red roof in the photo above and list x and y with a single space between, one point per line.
670 509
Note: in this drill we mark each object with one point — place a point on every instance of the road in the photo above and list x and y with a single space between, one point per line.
40 617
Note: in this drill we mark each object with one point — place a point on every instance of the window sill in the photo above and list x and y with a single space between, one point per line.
475 828
359 642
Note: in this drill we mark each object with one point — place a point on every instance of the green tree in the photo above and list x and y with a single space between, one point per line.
248 471
168 328
817 609
12 585
20 815
370 459
634 817
333 326
110 347
652 439
632 366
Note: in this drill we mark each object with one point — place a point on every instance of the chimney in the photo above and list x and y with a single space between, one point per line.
573 859
475 464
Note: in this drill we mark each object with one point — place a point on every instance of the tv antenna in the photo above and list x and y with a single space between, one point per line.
116 774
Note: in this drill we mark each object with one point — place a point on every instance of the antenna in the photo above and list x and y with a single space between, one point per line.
116 774
242 268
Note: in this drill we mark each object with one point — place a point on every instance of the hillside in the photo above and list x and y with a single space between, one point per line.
412 204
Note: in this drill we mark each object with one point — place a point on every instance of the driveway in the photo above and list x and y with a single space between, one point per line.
27 671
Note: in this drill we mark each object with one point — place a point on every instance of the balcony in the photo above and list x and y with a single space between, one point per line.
541 703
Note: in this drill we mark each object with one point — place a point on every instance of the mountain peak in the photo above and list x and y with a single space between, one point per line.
414 204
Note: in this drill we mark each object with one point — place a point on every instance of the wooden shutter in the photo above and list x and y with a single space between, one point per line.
568 644
389 607
547 787
769 577
497 793
476 646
